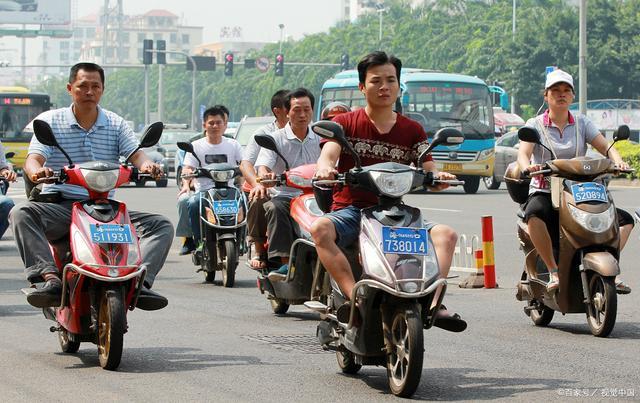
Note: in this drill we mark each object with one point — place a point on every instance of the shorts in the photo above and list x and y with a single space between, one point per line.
347 224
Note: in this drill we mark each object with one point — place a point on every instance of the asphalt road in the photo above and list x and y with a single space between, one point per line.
218 344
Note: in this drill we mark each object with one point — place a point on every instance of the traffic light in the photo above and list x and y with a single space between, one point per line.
147 57
228 64
161 57
344 62
279 67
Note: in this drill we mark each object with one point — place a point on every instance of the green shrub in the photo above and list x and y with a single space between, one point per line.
630 153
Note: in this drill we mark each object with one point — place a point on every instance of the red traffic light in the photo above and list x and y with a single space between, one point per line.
279 57
229 57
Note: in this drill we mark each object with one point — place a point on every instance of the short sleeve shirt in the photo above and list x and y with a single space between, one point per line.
3 161
402 144
228 150
297 152
107 140
567 143
252 149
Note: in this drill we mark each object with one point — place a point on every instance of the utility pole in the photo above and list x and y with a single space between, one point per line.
513 73
105 27
582 70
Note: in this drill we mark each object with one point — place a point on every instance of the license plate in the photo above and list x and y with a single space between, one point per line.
110 233
225 207
451 167
402 240
589 191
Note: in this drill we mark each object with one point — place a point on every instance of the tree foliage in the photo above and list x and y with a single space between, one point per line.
458 36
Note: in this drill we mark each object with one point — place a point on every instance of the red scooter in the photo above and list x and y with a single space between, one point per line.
305 280
103 276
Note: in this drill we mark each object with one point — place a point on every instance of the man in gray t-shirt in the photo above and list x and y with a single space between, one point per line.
256 220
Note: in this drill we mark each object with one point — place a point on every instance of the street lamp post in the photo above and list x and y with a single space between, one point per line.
380 10
513 37
281 26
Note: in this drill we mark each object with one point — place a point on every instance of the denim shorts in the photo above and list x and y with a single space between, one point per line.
347 224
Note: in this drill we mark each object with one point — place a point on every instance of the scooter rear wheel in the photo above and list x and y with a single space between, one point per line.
541 316
347 363
601 314
66 345
111 328
405 346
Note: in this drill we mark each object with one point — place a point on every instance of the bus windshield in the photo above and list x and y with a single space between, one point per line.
16 111
466 107
350 96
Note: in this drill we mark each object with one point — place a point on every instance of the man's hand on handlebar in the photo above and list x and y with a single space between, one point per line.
41 175
8 174
151 168
325 174
443 176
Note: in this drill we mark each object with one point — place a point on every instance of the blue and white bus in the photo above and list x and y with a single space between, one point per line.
436 100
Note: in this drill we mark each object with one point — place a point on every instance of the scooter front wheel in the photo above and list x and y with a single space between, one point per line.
111 328
602 311
540 314
229 263
405 351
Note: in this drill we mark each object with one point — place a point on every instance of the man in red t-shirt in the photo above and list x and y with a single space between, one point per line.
378 134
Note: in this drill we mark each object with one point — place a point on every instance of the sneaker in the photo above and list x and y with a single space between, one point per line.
48 295
150 300
280 274
187 247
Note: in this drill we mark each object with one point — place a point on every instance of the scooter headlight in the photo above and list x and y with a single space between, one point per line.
375 263
100 181
594 222
393 184
222 176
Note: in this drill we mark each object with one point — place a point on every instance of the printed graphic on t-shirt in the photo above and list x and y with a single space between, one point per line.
215 158
370 148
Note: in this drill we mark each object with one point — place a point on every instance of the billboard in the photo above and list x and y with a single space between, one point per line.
41 12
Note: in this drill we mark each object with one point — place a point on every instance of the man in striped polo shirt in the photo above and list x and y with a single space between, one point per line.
87 133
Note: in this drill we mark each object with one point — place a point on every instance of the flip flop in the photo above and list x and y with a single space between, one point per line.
450 322
622 288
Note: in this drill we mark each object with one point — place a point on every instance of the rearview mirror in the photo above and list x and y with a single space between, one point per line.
331 130
188 147
622 133
151 135
529 134
44 134
447 136
268 142
10 154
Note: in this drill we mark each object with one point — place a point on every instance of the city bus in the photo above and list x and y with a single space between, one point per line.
436 100
18 106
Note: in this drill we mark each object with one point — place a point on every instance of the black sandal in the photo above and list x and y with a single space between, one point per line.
451 322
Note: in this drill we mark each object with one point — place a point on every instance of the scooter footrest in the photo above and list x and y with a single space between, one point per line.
316 306
27 291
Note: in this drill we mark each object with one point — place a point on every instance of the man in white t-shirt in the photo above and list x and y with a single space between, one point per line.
213 148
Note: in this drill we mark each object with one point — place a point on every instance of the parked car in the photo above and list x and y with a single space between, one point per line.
172 134
506 149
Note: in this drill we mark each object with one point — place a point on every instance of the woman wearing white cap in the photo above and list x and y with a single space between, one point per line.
567 135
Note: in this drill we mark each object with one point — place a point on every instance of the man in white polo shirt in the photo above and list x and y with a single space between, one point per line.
300 146
213 148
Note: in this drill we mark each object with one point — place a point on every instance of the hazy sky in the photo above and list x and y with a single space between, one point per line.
259 19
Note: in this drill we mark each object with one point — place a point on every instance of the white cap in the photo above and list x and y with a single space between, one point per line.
558 76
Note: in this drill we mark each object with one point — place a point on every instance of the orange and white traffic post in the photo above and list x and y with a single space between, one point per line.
487 252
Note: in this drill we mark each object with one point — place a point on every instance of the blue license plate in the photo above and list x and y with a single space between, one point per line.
402 240
589 191
225 207
110 233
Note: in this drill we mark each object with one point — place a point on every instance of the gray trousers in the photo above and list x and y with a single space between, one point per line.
281 230
34 224
257 221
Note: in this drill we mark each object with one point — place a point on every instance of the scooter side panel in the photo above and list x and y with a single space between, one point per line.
304 213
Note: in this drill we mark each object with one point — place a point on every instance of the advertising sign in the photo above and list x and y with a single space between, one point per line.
41 12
